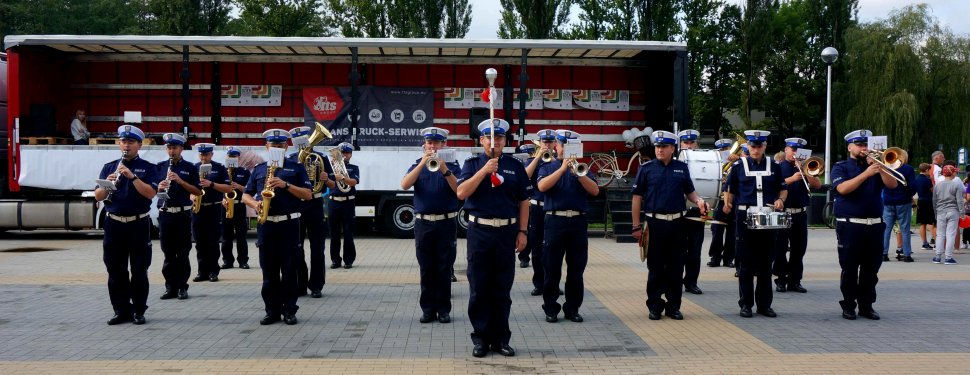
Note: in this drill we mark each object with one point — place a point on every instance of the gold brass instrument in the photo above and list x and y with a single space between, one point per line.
230 198
889 159
813 166
547 155
644 242
197 201
312 161
434 164
337 164
579 169
268 193
735 149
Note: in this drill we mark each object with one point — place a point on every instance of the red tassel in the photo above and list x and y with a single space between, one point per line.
497 179
487 95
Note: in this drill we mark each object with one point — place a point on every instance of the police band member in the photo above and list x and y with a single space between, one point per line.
755 183
436 229
788 267
494 190
236 228
547 142
858 224
722 247
313 225
127 227
565 234
207 223
695 229
175 216
341 210
660 188
278 238
530 150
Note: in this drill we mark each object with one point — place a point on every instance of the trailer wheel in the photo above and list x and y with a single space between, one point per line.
462 223
399 219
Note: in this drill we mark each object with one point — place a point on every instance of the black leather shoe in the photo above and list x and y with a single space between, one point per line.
426 318
290 319
797 288
169 294
524 264
714 263
769 312
504 349
183 294
574 317
870 314
198 278
348 266
444 318
335 266
693 289
269 319
536 292
908 259
746 312
225 266
735 273
119 318
316 294
848 314
479 351
675 315
453 278
885 258
244 266
729 264
138 319
654 315
213 277
780 288
552 318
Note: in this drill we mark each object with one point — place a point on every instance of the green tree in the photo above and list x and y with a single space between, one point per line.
700 33
658 19
175 17
594 16
621 20
458 18
533 19
281 18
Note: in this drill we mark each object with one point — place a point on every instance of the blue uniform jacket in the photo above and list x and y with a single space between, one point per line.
218 175
863 202
797 193
663 187
188 172
567 194
902 194
432 194
744 188
498 202
353 173
283 203
126 201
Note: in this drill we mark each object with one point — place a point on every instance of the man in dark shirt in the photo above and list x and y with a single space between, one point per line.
722 246
794 240
898 209
313 224
925 212
207 222
236 227
547 143
343 190
694 229
174 216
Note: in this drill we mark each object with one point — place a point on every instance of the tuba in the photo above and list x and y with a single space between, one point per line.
337 164
230 198
268 193
734 150
312 161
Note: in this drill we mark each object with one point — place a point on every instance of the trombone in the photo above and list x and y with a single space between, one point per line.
889 159
812 166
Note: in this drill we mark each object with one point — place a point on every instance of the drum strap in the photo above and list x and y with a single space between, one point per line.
757 178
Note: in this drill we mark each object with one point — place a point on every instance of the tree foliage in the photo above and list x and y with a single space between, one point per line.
533 19
281 18
401 18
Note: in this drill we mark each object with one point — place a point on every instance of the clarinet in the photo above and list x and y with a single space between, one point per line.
163 195
124 153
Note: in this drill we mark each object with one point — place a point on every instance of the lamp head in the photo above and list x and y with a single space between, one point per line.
490 75
830 55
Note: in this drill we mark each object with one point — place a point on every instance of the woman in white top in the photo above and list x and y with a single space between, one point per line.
948 201
79 128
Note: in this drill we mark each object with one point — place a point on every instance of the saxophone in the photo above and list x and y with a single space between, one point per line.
230 198
197 202
268 193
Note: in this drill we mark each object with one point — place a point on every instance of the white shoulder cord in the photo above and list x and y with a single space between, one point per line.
757 178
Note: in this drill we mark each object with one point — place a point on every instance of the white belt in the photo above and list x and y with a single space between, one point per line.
175 209
209 204
864 221
535 202
279 218
491 222
126 219
317 195
795 210
667 217
450 215
567 213
341 199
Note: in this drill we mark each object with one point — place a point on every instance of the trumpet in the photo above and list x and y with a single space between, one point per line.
889 159
813 166
579 169
312 161
337 164
433 164
546 156
268 193
230 198
124 154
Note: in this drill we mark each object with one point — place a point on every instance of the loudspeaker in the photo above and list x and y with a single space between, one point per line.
475 117
41 122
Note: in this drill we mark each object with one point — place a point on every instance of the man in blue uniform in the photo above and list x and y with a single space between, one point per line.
788 268
278 237
312 224
529 149
755 184
898 209
174 216
343 190
235 229
694 229
565 234
659 190
722 247
547 142
493 187
436 229
207 223
858 224
127 226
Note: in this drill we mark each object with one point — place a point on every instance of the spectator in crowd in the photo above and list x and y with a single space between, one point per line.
79 128
937 158
948 200
951 162
925 214
898 210
966 208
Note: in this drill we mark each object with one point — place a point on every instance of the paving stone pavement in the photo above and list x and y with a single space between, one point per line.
53 305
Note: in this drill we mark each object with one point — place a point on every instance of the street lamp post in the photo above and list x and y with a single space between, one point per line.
829 56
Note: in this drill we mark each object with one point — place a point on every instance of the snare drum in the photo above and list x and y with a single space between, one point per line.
705 172
768 220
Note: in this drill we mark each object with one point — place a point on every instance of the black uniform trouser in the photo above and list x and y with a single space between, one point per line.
313 226
124 244
235 229
207 227
695 241
491 271
175 238
860 256
722 248
756 250
534 242
789 268
665 264
278 246
565 237
341 216
436 249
